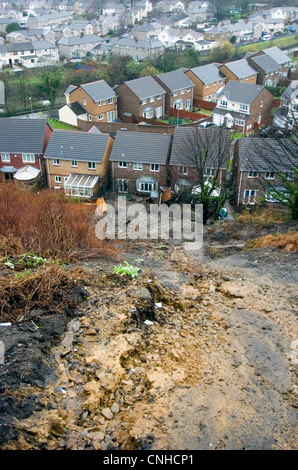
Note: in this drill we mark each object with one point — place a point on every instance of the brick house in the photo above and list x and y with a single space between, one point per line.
22 146
257 164
272 65
78 162
139 162
97 98
243 107
196 153
240 71
142 98
208 80
179 90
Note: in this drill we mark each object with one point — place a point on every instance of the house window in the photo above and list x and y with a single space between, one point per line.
209 171
158 97
269 175
250 196
137 166
65 179
110 100
91 166
182 92
122 185
187 104
243 107
252 174
5 157
84 101
261 104
214 83
182 170
223 103
58 179
144 101
111 116
148 113
28 158
56 162
122 164
188 89
207 86
100 117
151 99
99 103
90 117
154 167
104 102
158 112
289 175
146 187
174 93
239 122
74 163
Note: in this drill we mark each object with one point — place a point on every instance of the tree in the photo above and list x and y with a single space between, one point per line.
14 26
223 53
206 155
49 83
149 70
221 9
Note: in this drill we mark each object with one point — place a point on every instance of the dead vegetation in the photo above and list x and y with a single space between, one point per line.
49 288
264 215
46 224
283 241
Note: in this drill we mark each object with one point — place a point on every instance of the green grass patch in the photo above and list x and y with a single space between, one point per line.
61 125
259 46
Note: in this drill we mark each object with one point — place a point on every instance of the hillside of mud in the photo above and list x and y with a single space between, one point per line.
199 352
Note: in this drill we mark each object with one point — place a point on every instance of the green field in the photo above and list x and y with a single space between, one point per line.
259 46
61 125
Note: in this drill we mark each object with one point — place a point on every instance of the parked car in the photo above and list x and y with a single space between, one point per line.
291 28
206 124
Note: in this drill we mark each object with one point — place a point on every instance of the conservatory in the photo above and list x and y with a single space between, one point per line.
81 185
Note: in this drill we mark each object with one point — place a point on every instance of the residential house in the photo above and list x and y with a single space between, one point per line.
16 36
239 70
78 47
179 19
71 113
243 107
22 146
208 81
169 6
98 99
268 24
267 68
138 49
257 166
179 90
78 162
219 33
139 162
51 19
200 12
281 58
287 114
3 57
169 36
190 146
141 98
147 31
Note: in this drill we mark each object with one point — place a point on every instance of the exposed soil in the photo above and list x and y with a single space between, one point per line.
199 352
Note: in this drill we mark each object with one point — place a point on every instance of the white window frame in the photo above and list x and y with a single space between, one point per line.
182 170
58 179
269 175
223 103
146 187
100 117
74 163
138 166
56 162
154 167
91 165
243 107
5 157
28 157
187 104
110 100
251 198
252 174
122 164
209 171
158 111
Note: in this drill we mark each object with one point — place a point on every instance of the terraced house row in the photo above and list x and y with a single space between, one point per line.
88 164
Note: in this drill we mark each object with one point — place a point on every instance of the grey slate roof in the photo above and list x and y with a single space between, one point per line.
76 145
241 92
278 55
291 91
140 43
240 68
208 73
98 91
77 40
265 62
141 147
217 141
175 80
145 87
69 89
77 108
22 135
261 154
21 46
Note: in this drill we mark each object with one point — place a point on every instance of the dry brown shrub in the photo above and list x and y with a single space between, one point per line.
283 241
48 288
265 215
48 224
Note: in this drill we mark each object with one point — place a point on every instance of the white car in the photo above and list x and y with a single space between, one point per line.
206 124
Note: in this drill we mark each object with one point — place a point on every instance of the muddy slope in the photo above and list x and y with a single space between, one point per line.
199 352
